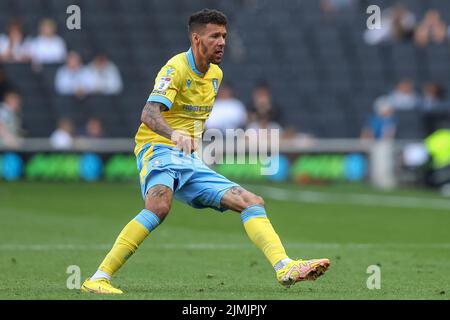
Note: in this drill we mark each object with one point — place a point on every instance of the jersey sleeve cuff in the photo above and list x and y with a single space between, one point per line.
160 99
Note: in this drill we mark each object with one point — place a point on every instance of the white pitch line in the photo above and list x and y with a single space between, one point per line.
356 199
225 246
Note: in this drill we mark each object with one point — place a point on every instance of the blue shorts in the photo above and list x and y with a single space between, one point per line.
191 181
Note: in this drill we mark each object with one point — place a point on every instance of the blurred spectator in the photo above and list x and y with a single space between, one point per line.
93 129
5 86
397 24
264 122
403 23
335 6
433 97
431 29
228 112
436 112
103 76
382 124
10 121
47 47
404 97
14 47
72 78
290 132
263 114
438 169
62 137
262 106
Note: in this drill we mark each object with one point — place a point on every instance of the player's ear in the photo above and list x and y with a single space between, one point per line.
195 37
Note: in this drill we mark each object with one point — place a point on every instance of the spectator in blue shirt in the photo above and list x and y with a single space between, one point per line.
382 124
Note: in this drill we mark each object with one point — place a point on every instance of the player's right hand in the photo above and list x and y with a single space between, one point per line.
184 142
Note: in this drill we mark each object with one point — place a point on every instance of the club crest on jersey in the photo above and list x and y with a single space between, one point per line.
188 83
169 71
156 163
215 83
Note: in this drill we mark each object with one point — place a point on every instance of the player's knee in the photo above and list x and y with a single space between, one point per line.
159 201
159 208
252 200
257 200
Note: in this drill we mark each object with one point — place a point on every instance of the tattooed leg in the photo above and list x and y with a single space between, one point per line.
159 200
237 199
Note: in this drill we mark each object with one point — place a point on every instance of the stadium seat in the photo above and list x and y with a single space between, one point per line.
409 125
316 55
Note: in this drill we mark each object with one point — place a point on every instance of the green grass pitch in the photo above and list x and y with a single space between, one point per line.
201 254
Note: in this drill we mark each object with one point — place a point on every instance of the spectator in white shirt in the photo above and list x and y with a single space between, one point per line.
397 24
10 121
48 47
72 78
14 47
228 112
62 137
103 76
404 97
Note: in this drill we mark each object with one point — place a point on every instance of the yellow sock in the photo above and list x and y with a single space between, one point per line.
260 231
128 241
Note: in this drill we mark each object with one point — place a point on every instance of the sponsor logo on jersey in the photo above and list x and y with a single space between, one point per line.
163 84
163 93
191 108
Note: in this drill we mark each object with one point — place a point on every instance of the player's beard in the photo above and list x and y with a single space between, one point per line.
204 51
216 61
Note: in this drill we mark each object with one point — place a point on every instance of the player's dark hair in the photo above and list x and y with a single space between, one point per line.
11 91
205 16
262 84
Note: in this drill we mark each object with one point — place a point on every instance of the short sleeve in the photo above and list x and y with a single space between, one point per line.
166 86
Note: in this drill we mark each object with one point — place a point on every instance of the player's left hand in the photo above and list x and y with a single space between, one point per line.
184 142
195 144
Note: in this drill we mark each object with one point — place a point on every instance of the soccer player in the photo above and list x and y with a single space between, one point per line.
172 124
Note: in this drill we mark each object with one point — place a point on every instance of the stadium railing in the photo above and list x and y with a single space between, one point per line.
377 163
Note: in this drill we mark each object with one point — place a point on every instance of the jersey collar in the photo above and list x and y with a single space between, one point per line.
190 57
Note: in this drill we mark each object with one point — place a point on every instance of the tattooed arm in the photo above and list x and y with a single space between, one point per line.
152 118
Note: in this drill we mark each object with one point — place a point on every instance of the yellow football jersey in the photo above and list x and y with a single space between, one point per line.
187 93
